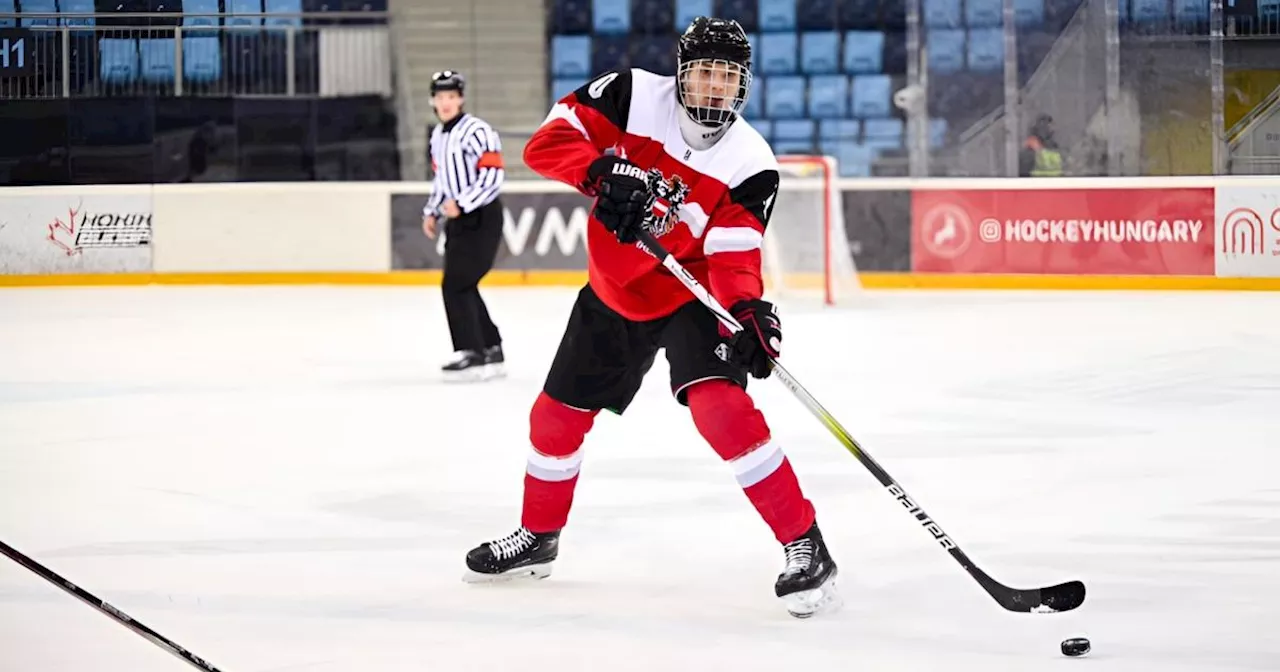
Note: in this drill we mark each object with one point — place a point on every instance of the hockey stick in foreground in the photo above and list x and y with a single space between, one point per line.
119 616
1062 597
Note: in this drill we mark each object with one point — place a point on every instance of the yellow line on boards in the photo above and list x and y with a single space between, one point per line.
507 277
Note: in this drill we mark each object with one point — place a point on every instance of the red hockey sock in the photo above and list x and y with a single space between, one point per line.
556 431
728 419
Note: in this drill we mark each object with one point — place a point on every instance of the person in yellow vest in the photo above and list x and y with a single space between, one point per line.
1040 156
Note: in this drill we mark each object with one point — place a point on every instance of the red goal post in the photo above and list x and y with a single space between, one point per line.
807 258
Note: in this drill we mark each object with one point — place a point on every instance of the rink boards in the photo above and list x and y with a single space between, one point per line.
1069 233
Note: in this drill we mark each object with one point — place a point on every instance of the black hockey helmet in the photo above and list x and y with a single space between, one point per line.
717 52
448 80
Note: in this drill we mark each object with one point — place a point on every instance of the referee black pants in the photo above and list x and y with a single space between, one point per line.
470 248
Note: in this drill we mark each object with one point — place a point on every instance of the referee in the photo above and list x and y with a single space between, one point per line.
466 156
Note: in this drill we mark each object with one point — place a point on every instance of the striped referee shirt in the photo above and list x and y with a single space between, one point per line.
466 156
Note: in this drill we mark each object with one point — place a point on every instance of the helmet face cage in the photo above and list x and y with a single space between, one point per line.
713 90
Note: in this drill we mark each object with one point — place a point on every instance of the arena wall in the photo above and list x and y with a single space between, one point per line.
1072 233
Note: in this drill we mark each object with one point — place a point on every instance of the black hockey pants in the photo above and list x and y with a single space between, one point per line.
470 247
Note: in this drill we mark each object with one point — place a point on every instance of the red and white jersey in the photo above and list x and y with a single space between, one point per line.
723 195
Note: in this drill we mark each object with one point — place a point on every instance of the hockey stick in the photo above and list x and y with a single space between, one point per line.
1062 597
102 606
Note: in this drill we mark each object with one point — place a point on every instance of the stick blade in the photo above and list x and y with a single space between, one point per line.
1050 600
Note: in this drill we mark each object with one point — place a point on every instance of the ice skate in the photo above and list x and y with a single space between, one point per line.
494 362
467 366
521 554
807 585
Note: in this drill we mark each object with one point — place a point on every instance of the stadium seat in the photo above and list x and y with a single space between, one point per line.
983 13
778 53
244 7
863 52
882 133
784 97
829 96
688 10
786 147
655 53
8 7
942 14
1028 13
652 16
157 59
571 17
871 96
986 49
610 52
571 56
793 129
853 159
859 15
39 7
813 15
117 60
820 52
839 129
777 15
946 50
610 17
754 107
191 23
764 127
76 7
563 86
201 59
745 12
283 7
1149 11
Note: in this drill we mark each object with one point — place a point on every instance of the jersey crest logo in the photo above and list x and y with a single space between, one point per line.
668 196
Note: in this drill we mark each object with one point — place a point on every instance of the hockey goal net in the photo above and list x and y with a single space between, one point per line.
807 258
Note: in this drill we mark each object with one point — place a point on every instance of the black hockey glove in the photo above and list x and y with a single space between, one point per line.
760 338
623 199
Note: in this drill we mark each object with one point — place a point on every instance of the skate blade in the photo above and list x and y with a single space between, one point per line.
495 371
472 375
824 599
526 572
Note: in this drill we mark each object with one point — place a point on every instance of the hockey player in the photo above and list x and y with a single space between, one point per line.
672 156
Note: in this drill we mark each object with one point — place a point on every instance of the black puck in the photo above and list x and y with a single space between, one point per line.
1076 646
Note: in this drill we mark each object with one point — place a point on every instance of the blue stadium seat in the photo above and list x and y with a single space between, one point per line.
792 147
986 49
778 53
655 53
652 16
793 129
764 127
853 159
745 12
882 133
249 7
784 97
946 50
157 59
571 17
1028 13
610 52
937 132
777 15
828 96
8 7
688 10
816 15
839 129
39 7
563 86
201 59
117 60
983 13
611 17
942 14
76 7
820 52
863 51
859 15
871 95
754 107
1148 11
1192 11
571 56
191 23
283 7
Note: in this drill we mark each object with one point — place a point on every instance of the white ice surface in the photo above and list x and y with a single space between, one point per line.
273 478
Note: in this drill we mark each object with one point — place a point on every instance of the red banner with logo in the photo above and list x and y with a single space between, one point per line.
1063 231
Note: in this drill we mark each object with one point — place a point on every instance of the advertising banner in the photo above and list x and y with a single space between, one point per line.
1064 231
542 231
874 221
1248 241
75 232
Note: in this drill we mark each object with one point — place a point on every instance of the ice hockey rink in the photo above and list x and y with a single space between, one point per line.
275 479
